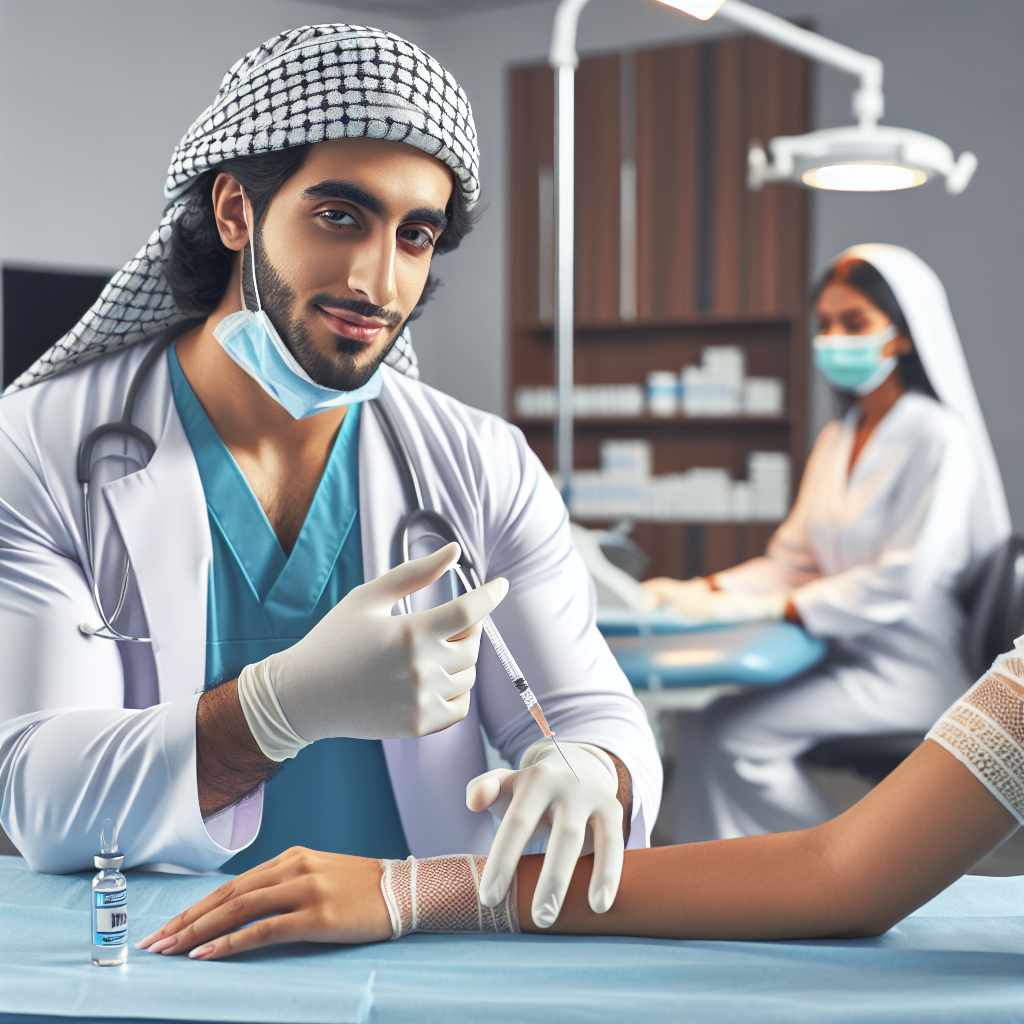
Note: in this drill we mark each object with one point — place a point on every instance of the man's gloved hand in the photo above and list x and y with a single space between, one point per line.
544 791
721 607
664 592
366 673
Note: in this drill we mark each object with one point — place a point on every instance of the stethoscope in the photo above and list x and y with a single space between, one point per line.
423 521
426 523
125 428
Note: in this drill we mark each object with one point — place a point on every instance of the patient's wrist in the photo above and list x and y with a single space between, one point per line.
442 894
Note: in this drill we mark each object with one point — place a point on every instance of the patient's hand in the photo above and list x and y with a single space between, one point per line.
300 896
663 592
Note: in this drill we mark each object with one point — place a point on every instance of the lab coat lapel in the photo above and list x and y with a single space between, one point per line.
428 775
161 514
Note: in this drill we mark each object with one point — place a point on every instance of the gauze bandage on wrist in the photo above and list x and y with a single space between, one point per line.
984 730
442 894
267 722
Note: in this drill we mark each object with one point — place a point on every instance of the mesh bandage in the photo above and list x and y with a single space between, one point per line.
442 894
311 84
985 731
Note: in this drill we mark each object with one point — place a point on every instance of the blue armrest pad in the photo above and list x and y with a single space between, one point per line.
658 650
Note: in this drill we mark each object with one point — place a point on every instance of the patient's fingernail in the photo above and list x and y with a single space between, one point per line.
602 900
164 944
201 951
147 940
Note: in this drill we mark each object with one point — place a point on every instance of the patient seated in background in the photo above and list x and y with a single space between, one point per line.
900 504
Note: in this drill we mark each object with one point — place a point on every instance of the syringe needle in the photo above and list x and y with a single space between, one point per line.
514 672
544 727
564 758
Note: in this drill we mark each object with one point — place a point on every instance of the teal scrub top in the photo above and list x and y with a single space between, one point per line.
336 794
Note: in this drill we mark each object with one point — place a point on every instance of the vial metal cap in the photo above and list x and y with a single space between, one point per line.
114 861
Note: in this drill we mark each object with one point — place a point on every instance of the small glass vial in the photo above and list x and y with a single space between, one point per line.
109 903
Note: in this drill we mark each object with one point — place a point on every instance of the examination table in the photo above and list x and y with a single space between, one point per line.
674 667
959 958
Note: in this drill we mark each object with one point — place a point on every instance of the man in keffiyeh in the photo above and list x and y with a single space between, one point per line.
215 586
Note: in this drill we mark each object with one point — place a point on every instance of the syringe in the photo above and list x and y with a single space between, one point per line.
508 663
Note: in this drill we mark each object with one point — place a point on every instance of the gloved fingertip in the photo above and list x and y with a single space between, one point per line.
481 792
492 894
601 901
545 915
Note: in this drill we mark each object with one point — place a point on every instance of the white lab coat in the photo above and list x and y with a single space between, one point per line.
72 750
874 560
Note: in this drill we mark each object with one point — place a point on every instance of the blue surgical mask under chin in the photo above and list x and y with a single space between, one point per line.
252 341
854 362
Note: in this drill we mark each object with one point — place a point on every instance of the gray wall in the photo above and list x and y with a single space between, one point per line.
87 129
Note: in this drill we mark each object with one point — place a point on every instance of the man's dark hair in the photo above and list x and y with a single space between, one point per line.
199 264
865 278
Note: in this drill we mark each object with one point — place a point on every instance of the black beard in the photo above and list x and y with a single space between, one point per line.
338 374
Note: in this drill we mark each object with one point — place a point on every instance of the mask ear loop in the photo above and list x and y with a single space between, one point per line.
252 249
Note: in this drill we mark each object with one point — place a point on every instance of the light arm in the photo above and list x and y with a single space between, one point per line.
868 102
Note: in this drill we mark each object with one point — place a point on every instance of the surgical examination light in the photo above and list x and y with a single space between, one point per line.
866 157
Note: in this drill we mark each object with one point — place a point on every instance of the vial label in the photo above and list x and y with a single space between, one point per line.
110 918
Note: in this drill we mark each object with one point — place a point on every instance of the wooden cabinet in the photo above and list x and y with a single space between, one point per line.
672 254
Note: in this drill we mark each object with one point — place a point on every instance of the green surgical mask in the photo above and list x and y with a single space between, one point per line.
854 362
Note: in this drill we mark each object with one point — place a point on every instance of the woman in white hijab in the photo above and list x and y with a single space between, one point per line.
900 504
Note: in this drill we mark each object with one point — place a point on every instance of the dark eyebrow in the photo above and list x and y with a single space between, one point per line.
349 193
435 218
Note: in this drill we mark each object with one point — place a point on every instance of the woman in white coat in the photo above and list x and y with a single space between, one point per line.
900 503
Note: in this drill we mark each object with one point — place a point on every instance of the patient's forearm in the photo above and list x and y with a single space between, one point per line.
764 887
918 831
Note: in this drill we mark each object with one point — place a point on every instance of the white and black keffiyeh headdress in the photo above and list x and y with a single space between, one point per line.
308 85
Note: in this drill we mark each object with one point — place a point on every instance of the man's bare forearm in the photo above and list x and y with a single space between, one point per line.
229 762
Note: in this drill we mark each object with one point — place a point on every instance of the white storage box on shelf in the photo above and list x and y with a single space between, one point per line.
628 458
624 486
769 476
589 401
662 393
715 388
763 396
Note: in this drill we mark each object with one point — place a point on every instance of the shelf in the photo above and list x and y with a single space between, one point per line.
696 322
603 422
604 522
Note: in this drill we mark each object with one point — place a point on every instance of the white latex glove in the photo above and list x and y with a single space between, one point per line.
544 792
727 607
664 592
366 673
